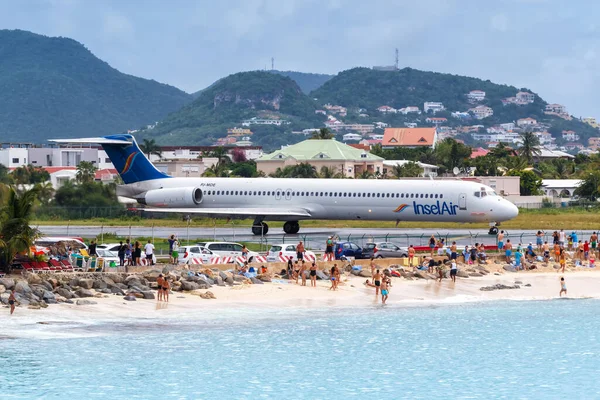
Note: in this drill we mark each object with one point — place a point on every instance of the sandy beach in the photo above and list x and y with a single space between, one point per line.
280 296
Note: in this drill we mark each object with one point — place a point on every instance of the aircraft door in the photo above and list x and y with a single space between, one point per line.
462 201
278 194
288 194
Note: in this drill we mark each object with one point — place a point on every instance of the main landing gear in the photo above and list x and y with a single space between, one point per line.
291 227
260 228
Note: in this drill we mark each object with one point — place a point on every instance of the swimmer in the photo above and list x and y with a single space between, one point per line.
368 283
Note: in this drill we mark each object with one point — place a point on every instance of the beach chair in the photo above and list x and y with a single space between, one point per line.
28 267
67 266
91 265
56 265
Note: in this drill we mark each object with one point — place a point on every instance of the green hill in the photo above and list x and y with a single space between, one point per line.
307 81
55 87
238 97
369 89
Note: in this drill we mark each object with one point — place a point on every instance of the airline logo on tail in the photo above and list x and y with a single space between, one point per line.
129 162
401 208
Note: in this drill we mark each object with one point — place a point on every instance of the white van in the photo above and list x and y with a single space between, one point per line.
227 249
74 243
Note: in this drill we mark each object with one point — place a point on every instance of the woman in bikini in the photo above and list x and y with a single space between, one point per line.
11 301
166 286
313 275
332 278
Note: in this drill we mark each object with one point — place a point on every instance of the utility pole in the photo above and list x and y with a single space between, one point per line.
396 59
272 63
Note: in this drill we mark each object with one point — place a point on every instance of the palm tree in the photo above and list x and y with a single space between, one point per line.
410 169
329 173
501 151
530 146
323 133
16 233
304 170
86 172
365 175
45 192
150 147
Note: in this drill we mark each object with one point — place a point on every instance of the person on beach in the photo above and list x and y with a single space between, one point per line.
453 253
570 242
518 255
500 240
593 243
329 249
12 300
128 253
313 275
432 242
368 283
563 287
453 270
297 271
440 271
332 278
561 238
338 276
546 252
137 253
245 252
563 261
300 251
290 268
411 254
580 251
121 254
303 273
431 265
473 254
175 252
557 249
171 240
385 291
92 249
555 237
586 250
529 253
377 282
575 238
159 283
149 250
539 240
166 287
508 251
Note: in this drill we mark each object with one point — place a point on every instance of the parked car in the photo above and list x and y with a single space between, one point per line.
345 250
108 256
385 250
114 247
286 250
227 249
186 253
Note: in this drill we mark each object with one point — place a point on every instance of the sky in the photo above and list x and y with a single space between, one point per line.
549 46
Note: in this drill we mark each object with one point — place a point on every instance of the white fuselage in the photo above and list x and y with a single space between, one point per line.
369 199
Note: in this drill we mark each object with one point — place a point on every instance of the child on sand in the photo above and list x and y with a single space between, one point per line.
563 287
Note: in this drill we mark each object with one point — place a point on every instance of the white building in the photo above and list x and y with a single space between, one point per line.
560 187
570 136
428 169
522 122
556 108
259 121
352 136
481 112
14 157
508 126
387 110
381 125
433 107
409 110
525 97
476 95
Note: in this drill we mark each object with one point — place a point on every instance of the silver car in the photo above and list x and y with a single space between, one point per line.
386 250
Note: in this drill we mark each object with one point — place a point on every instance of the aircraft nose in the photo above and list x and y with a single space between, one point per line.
511 211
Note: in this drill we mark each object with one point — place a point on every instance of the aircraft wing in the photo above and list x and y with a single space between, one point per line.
237 212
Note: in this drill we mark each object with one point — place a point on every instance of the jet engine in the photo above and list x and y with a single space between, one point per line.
175 197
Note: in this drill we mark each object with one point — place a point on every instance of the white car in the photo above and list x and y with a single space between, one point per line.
287 250
227 249
187 253
114 247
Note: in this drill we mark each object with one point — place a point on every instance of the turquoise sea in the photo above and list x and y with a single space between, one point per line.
500 350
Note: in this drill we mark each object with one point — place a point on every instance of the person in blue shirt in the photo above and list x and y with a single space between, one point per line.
530 252
518 256
574 236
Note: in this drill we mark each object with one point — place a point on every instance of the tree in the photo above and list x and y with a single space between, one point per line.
45 192
86 172
150 147
486 166
29 175
590 186
501 151
530 147
330 173
238 155
16 234
304 170
410 169
450 153
530 183
221 167
5 176
323 133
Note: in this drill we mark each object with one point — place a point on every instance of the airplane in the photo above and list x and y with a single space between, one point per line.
293 200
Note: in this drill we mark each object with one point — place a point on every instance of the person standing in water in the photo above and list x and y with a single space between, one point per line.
313 275
377 282
453 270
11 301
385 291
563 287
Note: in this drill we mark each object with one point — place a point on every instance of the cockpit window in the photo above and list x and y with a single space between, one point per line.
491 193
477 194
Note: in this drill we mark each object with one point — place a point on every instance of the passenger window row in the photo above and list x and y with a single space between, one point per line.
323 194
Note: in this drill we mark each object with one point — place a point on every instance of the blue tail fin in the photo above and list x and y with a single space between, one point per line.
131 164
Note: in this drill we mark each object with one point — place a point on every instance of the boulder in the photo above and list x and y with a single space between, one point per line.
421 275
229 281
129 298
321 275
49 297
264 278
475 274
84 302
81 292
34 279
109 281
137 295
25 301
74 282
8 283
86 283
387 273
99 284
117 290
148 295
239 278
257 281
105 291
364 273
22 287
4 298
187 285
463 274
2 289
121 285
205 295
32 307
509 268
152 275
219 281
224 275
498 286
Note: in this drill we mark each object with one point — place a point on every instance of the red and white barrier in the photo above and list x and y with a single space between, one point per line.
143 262
195 261
241 260
260 259
328 257
220 260
283 258
309 257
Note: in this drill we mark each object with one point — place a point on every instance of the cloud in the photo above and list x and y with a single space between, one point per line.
499 22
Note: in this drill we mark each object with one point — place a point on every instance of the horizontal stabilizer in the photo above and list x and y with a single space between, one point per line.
92 140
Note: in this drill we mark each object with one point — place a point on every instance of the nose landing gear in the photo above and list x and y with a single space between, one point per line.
493 229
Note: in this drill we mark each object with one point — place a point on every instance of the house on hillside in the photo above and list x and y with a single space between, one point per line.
351 136
594 143
570 136
481 112
351 162
526 122
410 110
556 109
591 121
387 110
436 121
525 97
409 137
428 169
476 95
433 107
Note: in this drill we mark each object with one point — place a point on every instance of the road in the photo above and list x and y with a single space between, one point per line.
314 238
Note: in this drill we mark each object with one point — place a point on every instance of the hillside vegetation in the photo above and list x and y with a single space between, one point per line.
55 87
233 99
306 81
